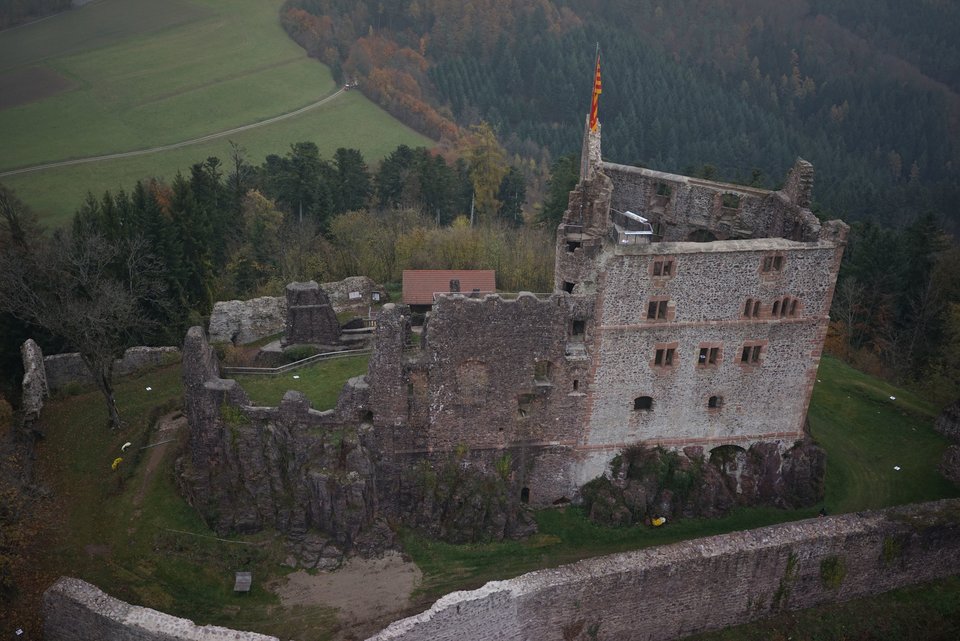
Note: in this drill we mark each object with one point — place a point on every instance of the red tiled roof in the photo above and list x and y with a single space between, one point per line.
419 285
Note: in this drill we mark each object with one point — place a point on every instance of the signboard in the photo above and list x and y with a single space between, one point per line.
355 295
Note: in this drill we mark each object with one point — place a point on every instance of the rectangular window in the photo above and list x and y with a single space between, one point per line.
730 201
664 357
751 354
657 310
663 267
771 264
709 355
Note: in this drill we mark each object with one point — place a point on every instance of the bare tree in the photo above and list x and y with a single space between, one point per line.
88 291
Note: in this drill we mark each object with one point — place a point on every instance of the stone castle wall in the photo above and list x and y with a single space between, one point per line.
706 294
656 594
677 590
74 610
64 369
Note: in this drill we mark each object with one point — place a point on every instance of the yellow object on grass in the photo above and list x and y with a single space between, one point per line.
657 522
116 463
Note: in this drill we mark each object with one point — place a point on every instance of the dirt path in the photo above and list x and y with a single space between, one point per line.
176 145
167 428
365 591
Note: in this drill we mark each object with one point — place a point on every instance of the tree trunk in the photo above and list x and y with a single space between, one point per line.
103 377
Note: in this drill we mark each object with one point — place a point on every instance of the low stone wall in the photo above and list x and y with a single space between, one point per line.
74 610
655 594
677 590
63 369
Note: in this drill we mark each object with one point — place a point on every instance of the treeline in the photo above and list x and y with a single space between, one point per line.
14 12
231 229
745 85
896 307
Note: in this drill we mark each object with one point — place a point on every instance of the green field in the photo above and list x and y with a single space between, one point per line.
152 74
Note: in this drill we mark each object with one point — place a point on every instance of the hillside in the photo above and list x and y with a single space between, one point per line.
122 76
735 90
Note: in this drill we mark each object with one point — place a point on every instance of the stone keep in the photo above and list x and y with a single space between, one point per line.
310 317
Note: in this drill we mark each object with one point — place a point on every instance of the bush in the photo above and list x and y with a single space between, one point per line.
299 352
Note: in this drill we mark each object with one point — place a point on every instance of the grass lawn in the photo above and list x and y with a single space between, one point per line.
321 382
115 529
146 74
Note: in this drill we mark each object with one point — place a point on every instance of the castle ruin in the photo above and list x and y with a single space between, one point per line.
687 314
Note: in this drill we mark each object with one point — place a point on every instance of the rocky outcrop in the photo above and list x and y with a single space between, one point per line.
340 291
950 464
35 389
241 322
652 482
948 423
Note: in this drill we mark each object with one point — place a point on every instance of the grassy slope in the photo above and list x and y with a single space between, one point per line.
135 558
163 73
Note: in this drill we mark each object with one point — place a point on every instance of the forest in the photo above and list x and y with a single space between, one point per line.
14 12
743 86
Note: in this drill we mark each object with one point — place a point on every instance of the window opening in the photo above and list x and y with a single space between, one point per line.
541 371
573 245
730 201
793 307
663 189
715 402
579 327
748 308
708 356
776 307
643 403
756 309
657 310
663 268
568 287
751 354
664 357
454 284
525 495
771 264
576 385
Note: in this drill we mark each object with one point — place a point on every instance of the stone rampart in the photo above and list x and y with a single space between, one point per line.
74 610
656 594
64 369
672 591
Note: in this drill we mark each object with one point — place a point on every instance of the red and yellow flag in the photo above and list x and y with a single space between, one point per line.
595 102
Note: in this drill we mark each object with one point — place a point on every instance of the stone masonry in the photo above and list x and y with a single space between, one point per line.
701 329
656 594
677 590
310 316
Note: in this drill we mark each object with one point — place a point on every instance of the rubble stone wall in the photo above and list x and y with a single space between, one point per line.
64 369
676 590
656 594
35 389
74 610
